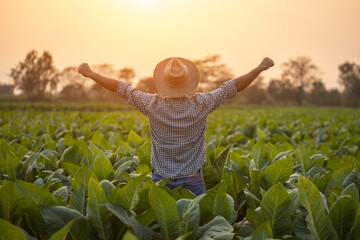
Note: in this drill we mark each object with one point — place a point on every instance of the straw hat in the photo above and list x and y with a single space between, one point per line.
176 77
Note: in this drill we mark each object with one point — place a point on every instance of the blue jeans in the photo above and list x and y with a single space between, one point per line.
193 183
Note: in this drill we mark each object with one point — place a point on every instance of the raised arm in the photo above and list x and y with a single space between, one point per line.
107 83
245 80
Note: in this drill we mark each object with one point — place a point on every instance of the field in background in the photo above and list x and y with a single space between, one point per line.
84 170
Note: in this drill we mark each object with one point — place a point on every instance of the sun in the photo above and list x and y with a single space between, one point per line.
143 3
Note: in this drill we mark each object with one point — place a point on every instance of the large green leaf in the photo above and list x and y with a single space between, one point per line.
87 155
355 230
209 175
300 225
13 166
125 217
217 228
220 162
353 192
99 216
303 157
279 171
263 232
107 186
124 149
180 192
9 231
7 201
129 194
335 163
102 167
215 203
63 232
276 207
342 215
255 218
71 168
255 180
144 154
319 223
56 217
134 140
189 211
166 211
4 149
99 140
234 182
147 217
338 177
62 195
257 153
28 198
80 184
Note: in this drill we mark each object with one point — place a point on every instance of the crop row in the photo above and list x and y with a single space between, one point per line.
270 173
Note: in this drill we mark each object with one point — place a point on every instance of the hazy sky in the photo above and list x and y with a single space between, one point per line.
140 33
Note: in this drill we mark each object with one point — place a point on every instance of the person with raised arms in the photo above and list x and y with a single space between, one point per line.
177 116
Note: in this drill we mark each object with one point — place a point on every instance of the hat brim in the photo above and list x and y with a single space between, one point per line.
189 87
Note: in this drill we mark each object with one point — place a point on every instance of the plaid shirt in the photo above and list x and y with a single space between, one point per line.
177 126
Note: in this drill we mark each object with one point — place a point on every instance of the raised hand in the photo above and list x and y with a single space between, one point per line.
84 69
266 63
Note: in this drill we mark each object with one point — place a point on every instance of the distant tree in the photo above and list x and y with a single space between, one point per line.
105 69
349 77
35 75
73 92
74 84
318 95
282 91
7 89
126 74
255 93
146 84
96 90
334 97
71 75
300 72
212 73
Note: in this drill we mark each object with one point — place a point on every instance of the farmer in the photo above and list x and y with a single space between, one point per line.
177 117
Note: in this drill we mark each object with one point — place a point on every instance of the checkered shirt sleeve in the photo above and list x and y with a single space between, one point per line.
140 100
212 100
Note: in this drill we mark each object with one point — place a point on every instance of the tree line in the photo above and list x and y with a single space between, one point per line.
299 83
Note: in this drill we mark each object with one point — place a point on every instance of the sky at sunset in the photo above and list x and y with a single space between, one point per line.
141 33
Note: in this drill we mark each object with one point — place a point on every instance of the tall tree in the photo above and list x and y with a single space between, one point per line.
73 84
318 94
282 91
126 74
146 84
213 73
35 75
349 77
301 72
96 90
255 93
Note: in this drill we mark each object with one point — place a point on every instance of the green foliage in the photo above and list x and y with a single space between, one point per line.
275 207
318 221
166 211
9 231
269 173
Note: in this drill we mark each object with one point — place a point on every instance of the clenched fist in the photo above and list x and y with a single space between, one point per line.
84 69
266 63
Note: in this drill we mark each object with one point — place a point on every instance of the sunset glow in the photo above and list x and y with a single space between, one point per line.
143 3
140 33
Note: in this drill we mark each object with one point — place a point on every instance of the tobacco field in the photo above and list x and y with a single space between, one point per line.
271 173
